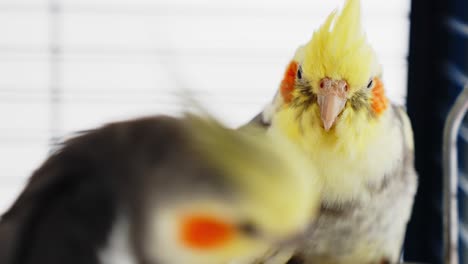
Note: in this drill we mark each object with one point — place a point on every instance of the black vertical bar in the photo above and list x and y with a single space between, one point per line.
426 88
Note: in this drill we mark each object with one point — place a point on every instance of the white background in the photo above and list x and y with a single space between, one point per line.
74 64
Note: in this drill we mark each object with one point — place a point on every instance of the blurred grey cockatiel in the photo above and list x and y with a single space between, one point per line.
161 190
332 105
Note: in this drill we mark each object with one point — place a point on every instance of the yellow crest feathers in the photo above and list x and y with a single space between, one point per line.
339 49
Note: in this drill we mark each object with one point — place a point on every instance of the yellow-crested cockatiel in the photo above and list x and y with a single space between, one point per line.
332 104
162 190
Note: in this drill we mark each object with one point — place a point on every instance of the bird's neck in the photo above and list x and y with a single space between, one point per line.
356 153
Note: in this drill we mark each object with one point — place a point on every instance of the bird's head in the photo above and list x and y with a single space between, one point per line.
254 198
336 70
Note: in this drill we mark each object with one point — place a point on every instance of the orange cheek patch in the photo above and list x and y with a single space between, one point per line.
287 85
379 100
205 232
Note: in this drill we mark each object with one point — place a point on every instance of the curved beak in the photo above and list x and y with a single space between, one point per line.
331 100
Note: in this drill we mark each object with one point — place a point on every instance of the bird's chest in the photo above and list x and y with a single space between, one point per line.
361 233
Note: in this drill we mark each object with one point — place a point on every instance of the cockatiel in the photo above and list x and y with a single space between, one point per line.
161 190
331 103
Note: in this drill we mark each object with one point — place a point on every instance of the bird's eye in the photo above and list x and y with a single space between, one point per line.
248 228
371 82
299 72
